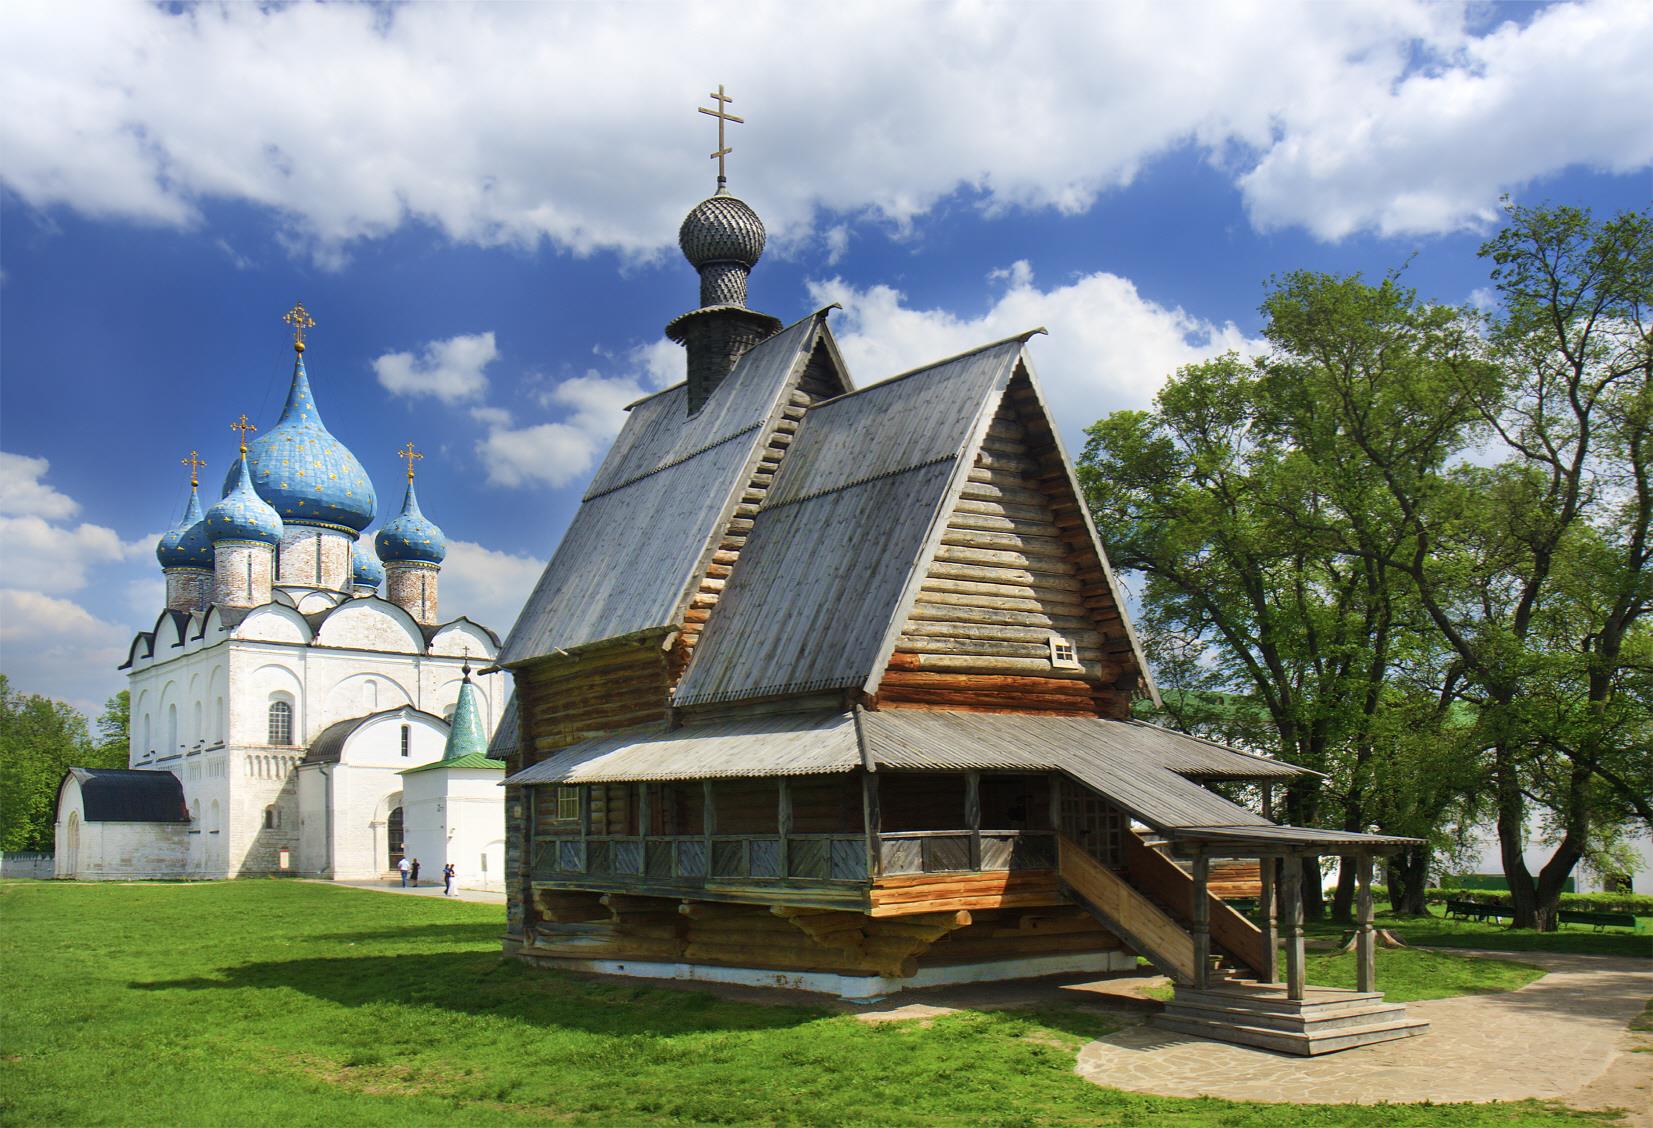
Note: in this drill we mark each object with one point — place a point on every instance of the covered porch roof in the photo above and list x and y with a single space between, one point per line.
1253 841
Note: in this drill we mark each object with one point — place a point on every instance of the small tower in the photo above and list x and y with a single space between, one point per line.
186 554
366 572
412 548
244 530
451 805
723 239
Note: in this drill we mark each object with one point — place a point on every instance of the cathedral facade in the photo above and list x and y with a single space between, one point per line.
297 676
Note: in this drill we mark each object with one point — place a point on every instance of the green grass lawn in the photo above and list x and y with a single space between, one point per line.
1408 975
285 1003
1435 931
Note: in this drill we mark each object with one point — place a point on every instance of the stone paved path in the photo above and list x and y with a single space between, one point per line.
1550 1040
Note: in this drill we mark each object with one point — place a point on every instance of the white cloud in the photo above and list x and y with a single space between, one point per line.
1109 347
555 454
57 648
451 370
22 493
486 585
1396 114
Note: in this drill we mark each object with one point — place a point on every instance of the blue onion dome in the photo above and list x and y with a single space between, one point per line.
411 536
300 468
186 546
721 228
365 569
242 515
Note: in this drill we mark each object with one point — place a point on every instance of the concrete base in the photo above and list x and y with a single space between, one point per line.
852 988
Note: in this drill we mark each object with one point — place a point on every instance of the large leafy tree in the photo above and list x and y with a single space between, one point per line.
40 739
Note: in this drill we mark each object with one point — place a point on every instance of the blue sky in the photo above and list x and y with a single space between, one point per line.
479 206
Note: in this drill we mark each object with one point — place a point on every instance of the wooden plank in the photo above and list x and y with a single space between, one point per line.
1142 923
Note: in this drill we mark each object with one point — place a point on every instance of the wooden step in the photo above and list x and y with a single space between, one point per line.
1290 1042
1271 997
1315 1024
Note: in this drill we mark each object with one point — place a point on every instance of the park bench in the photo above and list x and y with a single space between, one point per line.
1599 920
1474 910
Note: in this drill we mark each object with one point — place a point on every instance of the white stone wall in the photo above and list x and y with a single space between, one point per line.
115 851
457 815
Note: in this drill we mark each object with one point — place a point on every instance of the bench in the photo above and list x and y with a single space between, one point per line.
1474 910
1599 920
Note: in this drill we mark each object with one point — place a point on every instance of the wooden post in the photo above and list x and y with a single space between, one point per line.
783 822
870 818
1365 937
1291 897
709 821
1056 803
1268 920
1268 801
1200 924
972 815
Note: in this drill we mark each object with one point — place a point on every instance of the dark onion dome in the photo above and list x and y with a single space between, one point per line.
242 515
411 536
186 546
721 228
304 472
365 569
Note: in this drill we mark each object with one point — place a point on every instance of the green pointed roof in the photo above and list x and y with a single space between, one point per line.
467 740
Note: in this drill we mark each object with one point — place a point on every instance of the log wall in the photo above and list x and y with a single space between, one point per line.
1015 565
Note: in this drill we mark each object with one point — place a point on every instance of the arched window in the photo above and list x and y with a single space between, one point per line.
212 818
281 722
172 730
218 721
272 818
197 734
407 740
148 744
195 817
393 834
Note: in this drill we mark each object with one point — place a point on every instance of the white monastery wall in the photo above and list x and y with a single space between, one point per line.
458 817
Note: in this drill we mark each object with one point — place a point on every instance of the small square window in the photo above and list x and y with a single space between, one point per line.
1063 655
568 804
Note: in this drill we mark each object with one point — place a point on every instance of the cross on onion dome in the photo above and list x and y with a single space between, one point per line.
195 462
243 426
410 455
722 116
299 318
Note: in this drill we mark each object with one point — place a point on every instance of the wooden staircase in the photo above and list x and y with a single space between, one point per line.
1259 1014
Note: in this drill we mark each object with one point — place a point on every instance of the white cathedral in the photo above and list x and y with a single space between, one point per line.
285 716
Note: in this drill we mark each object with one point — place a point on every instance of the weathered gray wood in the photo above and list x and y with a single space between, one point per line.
783 821
1200 925
1291 898
1365 937
870 819
972 815
1268 919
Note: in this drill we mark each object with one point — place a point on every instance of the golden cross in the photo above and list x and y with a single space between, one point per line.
299 318
722 116
410 454
243 426
194 462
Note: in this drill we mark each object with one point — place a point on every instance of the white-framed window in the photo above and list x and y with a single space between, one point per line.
568 804
1063 654
281 722
407 740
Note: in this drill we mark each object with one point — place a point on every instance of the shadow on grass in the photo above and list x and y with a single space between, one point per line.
474 932
484 983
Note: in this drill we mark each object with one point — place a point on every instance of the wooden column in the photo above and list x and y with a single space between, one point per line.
783 820
1291 907
1201 922
1365 936
972 815
1268 919
870 817
709 823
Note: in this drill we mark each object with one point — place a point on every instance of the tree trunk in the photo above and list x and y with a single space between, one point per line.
1343 898
1512 842
1314 897
1408 881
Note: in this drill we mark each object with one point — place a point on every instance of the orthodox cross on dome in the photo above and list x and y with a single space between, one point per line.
299 318
722 116
410 455
243 426
195 462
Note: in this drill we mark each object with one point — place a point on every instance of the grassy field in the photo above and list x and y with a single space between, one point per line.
1438 932
265 1002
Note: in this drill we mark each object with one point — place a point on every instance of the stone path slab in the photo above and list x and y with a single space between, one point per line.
1549 1040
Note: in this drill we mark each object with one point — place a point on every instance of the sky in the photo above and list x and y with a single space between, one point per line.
479 205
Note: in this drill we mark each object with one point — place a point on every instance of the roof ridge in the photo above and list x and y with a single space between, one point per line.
923 368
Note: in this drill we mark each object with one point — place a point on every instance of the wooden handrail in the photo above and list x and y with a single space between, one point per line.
1164 880
1140 923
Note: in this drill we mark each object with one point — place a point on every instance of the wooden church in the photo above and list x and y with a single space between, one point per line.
829 687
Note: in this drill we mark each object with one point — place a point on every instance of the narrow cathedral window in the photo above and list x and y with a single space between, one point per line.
1063 654
407 740
272 818
281 723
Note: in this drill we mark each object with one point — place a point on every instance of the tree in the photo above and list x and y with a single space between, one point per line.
114 732
39 740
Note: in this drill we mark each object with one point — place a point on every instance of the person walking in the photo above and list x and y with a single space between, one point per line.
414 870
447 880
403 866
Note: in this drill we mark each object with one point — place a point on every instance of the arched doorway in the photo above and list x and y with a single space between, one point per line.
71 846
393 837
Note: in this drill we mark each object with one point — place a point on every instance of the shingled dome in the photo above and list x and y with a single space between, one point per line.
411 535
242 515
186 545
721 228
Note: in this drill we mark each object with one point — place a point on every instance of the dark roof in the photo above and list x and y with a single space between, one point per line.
1140 767
325 749
122 795
1285 838
647 525
506 734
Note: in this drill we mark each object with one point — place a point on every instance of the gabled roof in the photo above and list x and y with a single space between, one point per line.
650 520
328 747
122 795
843 539
1142 768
